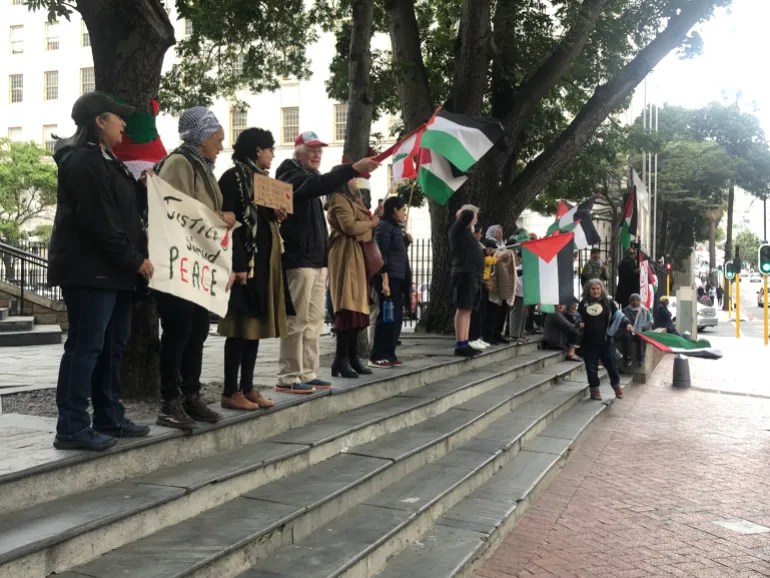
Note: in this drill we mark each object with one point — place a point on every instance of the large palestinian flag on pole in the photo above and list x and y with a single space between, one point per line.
578 220
450 146
547 270
671 343
629 222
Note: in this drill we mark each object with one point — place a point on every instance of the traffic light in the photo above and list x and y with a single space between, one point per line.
729 270
764 259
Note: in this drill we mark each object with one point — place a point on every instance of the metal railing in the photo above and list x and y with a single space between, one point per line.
25 265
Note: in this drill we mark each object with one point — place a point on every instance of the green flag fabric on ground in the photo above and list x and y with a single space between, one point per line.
449 147
671 343
547 270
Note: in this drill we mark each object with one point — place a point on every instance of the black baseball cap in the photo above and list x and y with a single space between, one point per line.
92 104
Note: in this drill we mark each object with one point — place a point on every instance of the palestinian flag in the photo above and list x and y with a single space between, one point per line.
628 224
547 270
436 177
404 153
671 343
577 220
449 147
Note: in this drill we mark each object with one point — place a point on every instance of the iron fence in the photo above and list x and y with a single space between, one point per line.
24 264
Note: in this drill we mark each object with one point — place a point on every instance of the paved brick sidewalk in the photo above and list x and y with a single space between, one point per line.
641 494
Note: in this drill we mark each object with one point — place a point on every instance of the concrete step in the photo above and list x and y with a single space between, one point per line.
36 335
457 543
361 540
4 313
81 527
28 482
365 484
16 324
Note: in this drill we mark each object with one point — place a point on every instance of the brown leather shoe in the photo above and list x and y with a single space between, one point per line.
255 397
238 401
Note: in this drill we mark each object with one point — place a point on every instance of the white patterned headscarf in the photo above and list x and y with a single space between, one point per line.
197 124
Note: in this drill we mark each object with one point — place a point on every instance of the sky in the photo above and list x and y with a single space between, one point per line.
733 62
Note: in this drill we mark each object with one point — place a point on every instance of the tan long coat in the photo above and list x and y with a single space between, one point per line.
350 223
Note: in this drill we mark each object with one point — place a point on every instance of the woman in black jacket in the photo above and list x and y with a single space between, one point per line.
258 300
390 282
596 315
96 257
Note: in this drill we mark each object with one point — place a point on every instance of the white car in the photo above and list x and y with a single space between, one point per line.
707 315
755 278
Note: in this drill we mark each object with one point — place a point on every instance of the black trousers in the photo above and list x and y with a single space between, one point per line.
496 318
592 353
185 327
240 354
386 334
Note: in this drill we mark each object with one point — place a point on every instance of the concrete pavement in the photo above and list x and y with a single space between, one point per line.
670 483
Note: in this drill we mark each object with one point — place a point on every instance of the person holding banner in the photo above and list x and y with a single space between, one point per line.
96 257
258 299
305 258
350 225
190 170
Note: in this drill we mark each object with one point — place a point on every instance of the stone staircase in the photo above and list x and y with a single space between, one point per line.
413 471
22 330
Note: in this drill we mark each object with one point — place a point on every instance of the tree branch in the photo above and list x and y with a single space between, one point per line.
554 68
413 87
543 169
472 62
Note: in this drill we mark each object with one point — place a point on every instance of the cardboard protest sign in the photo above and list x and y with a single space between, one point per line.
190 247
273 193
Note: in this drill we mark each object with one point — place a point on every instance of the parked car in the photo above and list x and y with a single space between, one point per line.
707 315
755 278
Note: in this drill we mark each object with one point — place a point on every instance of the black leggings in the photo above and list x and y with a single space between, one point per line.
239 354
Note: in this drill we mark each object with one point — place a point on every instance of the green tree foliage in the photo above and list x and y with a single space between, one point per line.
27 187
749 244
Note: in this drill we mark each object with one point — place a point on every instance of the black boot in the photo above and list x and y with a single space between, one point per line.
355 362
341 364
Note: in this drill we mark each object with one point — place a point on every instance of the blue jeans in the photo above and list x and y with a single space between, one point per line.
592 353
99 327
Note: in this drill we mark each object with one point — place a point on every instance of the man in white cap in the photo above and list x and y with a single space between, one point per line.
305 243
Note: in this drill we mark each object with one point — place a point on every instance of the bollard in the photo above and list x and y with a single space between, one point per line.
681 376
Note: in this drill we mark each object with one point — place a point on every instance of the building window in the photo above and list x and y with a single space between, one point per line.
52 36
16 87
238 122
289 124
17 39
48 140
17 2
187 27
85 37
14 133
340 121
51 84
87 80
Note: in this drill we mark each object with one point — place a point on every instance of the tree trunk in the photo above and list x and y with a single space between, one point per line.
360 102
714 216
128 42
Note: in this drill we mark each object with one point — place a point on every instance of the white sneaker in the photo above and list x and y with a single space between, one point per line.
477 345
484 343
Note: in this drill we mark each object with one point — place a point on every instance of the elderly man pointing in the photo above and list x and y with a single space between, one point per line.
305 239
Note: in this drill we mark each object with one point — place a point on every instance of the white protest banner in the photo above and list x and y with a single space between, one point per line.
190 247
